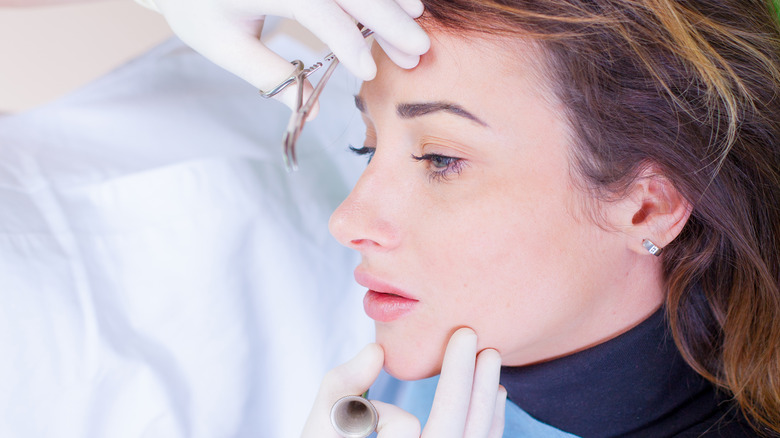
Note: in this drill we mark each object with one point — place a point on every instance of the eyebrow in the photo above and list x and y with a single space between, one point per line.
360 104
412 110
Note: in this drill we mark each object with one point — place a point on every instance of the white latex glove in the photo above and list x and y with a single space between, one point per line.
468 403
227 32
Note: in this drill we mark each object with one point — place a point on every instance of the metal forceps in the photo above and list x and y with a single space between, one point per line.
298 117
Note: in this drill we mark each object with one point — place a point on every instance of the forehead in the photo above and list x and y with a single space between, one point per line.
495 74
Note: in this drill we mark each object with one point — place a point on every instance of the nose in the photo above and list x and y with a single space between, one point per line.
368 219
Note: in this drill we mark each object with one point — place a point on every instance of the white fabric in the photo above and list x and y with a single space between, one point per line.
150 4
161 275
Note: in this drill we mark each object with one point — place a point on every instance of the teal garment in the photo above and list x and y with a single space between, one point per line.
416 397
519 424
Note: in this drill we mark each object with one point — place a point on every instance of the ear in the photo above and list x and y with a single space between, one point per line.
653 209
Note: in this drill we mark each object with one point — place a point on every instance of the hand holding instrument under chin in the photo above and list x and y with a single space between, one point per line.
468 402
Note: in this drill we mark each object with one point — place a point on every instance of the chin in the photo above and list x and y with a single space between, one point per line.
411 362
409 371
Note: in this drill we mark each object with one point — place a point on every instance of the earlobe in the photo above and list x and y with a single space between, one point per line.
658 213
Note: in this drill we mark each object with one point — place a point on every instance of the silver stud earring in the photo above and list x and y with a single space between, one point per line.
651 248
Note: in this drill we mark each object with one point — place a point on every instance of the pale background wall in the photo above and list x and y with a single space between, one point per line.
47 51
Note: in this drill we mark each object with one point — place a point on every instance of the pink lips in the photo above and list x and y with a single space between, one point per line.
383 303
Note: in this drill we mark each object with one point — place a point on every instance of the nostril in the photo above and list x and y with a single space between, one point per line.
362 242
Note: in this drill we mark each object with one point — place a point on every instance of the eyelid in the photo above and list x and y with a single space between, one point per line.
371 137
444 147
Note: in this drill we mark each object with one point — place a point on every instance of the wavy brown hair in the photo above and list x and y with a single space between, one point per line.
692 87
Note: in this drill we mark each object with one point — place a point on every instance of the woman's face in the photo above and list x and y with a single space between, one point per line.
467 215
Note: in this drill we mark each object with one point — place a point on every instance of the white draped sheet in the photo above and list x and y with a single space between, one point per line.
161 275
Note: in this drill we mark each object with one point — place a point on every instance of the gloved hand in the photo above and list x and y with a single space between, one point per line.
227 32
468 403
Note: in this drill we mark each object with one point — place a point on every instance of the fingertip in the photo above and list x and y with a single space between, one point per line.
490 353
465 337
361 65
422 42
417 10
407 62
370 357
415 40
375 348
357 374
367 66
414 8
373 355
399 57
489 358
465 332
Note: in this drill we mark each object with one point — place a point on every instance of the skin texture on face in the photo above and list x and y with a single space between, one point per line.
468 207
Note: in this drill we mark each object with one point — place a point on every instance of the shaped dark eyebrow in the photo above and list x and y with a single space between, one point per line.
412 110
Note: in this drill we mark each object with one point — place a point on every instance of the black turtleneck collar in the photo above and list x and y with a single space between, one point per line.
635 385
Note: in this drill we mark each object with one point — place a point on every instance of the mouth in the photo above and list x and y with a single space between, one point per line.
383 302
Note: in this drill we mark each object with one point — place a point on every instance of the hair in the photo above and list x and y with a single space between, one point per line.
691 87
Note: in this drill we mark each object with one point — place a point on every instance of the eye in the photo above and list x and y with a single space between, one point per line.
365 150
441 167
441 162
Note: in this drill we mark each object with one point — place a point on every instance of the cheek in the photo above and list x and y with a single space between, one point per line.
508 239
512 273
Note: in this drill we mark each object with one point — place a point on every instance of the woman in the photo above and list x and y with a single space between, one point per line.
522 182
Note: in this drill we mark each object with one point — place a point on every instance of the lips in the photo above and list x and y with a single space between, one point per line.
383 302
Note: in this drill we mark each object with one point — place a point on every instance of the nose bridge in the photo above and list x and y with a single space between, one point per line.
369 216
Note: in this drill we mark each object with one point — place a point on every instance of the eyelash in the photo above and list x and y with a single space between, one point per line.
365 150
451 165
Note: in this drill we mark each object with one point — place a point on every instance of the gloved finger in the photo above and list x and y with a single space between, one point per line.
334 27
483 394
353 377
350 378
394 422
413 8
403 60
453 392
497 428
388 20
239 51
249 59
